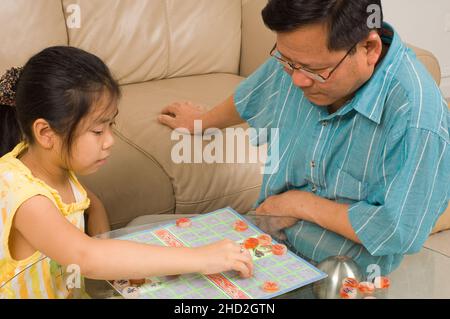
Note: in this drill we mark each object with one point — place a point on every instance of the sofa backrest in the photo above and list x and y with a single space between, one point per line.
143 40
27 28
140 40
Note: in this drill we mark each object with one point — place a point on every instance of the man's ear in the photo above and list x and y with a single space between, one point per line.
44 134
373 48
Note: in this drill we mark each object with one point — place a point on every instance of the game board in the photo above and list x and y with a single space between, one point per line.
288 270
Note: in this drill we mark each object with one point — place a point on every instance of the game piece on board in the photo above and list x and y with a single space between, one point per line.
270 286
350 282
251 243
382 282
131 293
259 253
240 226
279 249
348 292
265 240
137 282
121 284
366 287
184 222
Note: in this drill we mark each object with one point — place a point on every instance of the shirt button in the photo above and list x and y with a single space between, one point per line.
313 164
314 188
325 123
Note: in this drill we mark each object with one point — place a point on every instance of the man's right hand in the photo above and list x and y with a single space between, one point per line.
181 115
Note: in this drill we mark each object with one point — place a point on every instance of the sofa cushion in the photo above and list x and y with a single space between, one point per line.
131 184
198 187
143 40
29 27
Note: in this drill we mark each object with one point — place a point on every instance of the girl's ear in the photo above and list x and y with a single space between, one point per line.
44 134
373 48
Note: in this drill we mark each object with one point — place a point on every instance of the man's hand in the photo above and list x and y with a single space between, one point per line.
275 216
181 115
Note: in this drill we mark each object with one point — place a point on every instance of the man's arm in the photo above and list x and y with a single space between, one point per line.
326 213
183 115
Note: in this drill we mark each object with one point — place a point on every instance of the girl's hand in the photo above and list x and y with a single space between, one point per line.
223 256
181 115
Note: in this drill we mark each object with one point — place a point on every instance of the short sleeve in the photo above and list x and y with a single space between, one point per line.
257 96
414 199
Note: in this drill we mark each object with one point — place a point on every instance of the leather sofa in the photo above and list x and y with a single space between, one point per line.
160 51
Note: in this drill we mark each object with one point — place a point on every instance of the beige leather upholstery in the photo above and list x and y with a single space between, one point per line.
143 40
27 27
197 187
131 184
257 40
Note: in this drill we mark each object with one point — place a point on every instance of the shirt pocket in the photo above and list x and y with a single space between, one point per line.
348 188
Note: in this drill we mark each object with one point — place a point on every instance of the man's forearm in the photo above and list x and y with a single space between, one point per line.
222 116
324 212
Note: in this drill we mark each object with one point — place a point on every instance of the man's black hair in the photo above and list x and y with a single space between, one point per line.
346 20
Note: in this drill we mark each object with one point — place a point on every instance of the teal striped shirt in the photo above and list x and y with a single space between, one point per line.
385 153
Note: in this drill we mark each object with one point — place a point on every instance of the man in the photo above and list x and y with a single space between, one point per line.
364 164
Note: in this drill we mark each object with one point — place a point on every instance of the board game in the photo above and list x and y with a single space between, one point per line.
286 269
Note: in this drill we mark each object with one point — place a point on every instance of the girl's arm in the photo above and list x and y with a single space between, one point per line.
43 226
97 218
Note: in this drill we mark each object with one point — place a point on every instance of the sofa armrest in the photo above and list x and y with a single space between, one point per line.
430 62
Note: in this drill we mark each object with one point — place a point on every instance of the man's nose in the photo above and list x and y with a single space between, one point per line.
301 80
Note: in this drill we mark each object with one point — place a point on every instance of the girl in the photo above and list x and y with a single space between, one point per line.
55 120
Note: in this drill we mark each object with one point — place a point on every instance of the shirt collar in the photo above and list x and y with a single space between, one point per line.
370 99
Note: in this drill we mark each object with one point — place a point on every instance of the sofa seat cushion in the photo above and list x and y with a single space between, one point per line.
197 187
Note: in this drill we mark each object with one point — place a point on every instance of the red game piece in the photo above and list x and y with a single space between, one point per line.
270 286
240 226
251 243
366 287
382 282
348 292
350 282
184 222
279 249
265 240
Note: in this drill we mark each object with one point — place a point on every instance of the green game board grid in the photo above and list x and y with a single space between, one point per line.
226 220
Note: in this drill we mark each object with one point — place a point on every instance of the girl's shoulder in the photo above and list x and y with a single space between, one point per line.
17 182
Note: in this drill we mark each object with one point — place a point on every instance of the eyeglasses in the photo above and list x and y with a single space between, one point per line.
291 66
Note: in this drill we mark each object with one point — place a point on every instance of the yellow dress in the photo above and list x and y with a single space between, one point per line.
36 276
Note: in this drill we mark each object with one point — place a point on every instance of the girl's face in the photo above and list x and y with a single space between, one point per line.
92 146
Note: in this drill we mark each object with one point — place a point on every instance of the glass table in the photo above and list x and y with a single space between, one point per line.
422 275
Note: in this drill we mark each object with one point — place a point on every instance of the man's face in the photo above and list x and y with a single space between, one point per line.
307 47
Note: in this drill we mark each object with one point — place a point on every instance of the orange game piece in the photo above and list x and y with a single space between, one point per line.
270 286
251 243
350 282
279 249
183 222
265 240
240 226
366 287
382 282
348 292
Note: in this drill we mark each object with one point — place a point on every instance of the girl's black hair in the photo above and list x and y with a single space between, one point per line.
60 85
346 20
